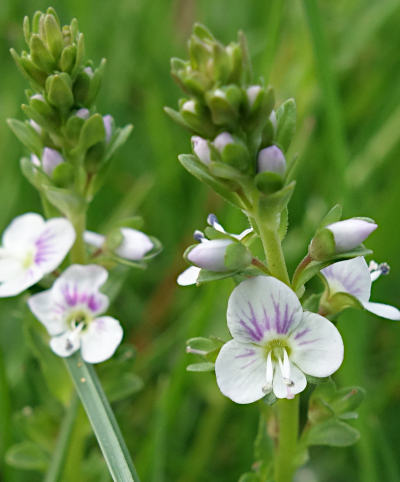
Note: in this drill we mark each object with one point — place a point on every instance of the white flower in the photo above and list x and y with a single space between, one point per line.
70 312
353 277
32 248
209 254
350 233
274 343
134 245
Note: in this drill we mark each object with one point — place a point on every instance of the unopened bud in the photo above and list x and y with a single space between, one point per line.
223 140
271 159
350 233
108 121
210 255
201 149
50 160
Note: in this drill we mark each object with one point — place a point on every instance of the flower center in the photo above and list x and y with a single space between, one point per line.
28 259
277 353
78 318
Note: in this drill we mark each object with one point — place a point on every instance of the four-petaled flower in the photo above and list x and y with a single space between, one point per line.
274 343
32 248
353 277
70 312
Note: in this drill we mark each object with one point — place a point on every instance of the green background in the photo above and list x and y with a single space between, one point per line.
340 61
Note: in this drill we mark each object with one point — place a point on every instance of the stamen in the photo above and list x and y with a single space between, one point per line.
376 270
269 375
69 343
285 368
199 236
212 220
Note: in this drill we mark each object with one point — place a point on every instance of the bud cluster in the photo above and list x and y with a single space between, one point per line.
239 141
70 144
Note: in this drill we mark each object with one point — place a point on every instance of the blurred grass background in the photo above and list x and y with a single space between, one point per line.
339 60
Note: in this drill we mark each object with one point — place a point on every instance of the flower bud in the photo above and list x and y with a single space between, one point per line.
224 104
271 159
210 255
50 160
350 233
54 38
223 140
108 121
83 113
252 93
233 151
201 149
340 237
59 91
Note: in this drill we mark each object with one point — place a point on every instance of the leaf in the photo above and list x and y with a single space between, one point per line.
286 123
27 135
117 141
27 456
69 203
197 169
332 216
201 367
332 432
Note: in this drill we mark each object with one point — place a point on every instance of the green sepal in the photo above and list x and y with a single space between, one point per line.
332 432
43 114
36 76
120 136
59 93
322 246
276 201
312 302
237 257
26 29
40 55
268 182
68 57
206 276
340 301
27 135
92 132
270 398
27 456
69 203
73 128
199 170
177 117
113 239
80 50
198 121
333 215
201 367
54 38
226 171
224 104
63 175
286 124
258 113
34 174
236 155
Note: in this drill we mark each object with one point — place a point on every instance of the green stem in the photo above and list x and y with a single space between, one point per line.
273 250
55 471
102 419
288 419
78 251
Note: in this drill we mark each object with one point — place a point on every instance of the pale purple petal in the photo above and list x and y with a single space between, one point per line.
223 140
351 276
271 159
189 276
261 308
101 339
94 239
210 255
316 346
135 244
107 121
297 385
240 371
50 160
252 93
385 311
350 233
201 149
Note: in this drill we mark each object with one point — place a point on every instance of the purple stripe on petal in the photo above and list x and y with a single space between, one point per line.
249 331
248 352
307 342
93 303
267 322
301 333
253 320
248 364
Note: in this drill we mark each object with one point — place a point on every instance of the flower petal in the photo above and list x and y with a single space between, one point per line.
189 276
240 369
210 255
79 285
262 307
23 231
350 276
349 233
134 245
66 344
101 339
48 312
19 283
53 244
317 347
94 239
298 379
385 311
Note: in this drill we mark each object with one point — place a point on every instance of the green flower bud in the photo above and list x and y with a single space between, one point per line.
54 38
224 104
195 115
67 59
233 151
40 55
59 93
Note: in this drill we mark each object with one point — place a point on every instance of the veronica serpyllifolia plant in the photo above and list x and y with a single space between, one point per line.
70 147
283 339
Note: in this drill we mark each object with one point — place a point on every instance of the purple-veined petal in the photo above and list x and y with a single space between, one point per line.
48 312
135 244
297 379
317 347
261 308
94 239
66 344
240 369
385 311
53 244
23 231
350 276
189 276
79 286
101 339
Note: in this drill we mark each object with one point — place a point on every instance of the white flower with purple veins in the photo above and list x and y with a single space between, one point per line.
209 254
274 343
32 248
134 245
70 312
355 278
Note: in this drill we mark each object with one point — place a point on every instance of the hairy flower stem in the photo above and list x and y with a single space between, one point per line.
288 420
78 251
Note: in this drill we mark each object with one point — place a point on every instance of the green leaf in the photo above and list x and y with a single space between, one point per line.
27 456
201 367
197 169
226 171
27 135
286 124
69 203
347 399
92 132
332 432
